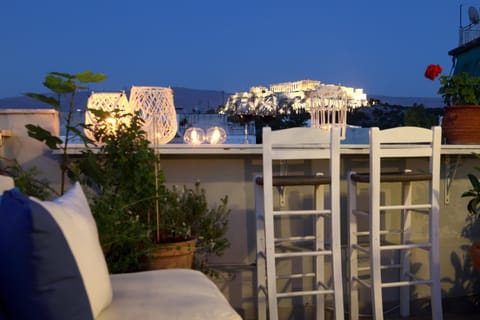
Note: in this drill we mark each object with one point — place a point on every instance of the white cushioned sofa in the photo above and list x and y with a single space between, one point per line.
53 268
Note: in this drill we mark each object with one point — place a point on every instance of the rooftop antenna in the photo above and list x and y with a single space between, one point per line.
474 18
473 15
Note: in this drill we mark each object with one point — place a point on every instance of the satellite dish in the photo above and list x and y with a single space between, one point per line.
473 15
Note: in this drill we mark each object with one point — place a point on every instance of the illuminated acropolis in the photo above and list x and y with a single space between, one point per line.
298 94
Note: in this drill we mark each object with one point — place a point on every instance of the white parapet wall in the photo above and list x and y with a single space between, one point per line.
26 150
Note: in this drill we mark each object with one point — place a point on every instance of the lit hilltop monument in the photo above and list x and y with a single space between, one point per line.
327 103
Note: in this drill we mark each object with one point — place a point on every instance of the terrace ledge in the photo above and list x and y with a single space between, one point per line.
256 149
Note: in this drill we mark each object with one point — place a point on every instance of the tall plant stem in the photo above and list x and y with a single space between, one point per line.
157 169
65 158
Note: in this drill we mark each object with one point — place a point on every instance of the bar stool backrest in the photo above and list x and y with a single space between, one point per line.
405 142
301 144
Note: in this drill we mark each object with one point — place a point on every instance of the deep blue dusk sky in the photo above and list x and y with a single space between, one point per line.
381 46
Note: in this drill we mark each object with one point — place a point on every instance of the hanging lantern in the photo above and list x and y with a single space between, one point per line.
156 107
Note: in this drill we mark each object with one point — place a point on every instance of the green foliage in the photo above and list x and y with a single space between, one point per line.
417 116
473 205
382 116
133 207
186 214
389 116
122 172
39 133
27 180
358 116
282 121
45 99
124 160
460 89
125 239
63 84
473 193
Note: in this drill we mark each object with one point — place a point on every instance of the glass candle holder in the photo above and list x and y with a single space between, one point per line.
194 136
216 135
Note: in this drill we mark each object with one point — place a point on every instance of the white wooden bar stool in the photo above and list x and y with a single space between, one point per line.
389 228
317 245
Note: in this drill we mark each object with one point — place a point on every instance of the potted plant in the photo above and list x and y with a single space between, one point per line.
137 215
473 208
190 231
461 95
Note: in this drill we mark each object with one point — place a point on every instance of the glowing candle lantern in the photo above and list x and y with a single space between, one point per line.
216 135
106 101
194 136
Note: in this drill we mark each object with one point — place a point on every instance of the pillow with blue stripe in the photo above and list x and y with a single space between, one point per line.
52 266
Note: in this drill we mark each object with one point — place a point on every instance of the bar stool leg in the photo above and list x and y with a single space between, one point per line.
352 252
320 244
337 263
436 289
405 254
261 267
374 249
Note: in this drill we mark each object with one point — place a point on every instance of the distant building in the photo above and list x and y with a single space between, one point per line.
296 95
302 85
467 55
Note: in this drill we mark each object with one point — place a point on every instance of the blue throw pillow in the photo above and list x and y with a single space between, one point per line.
39 278
1 195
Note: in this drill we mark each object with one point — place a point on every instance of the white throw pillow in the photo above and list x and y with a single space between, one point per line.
6 183
72 213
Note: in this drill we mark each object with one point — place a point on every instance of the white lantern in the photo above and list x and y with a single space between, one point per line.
106 101
156 107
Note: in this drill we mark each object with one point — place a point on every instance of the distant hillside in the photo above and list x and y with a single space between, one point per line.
187 100
409 101
391 116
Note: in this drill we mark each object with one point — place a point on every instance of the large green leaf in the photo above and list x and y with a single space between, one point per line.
100 114
43 98
474 181
59 85
472 206
79 133
89 76
63 75
43 135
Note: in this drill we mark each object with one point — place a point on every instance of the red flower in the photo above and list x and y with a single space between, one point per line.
433 71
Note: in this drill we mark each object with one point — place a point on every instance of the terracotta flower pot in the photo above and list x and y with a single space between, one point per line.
475 255
173 255
460 124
